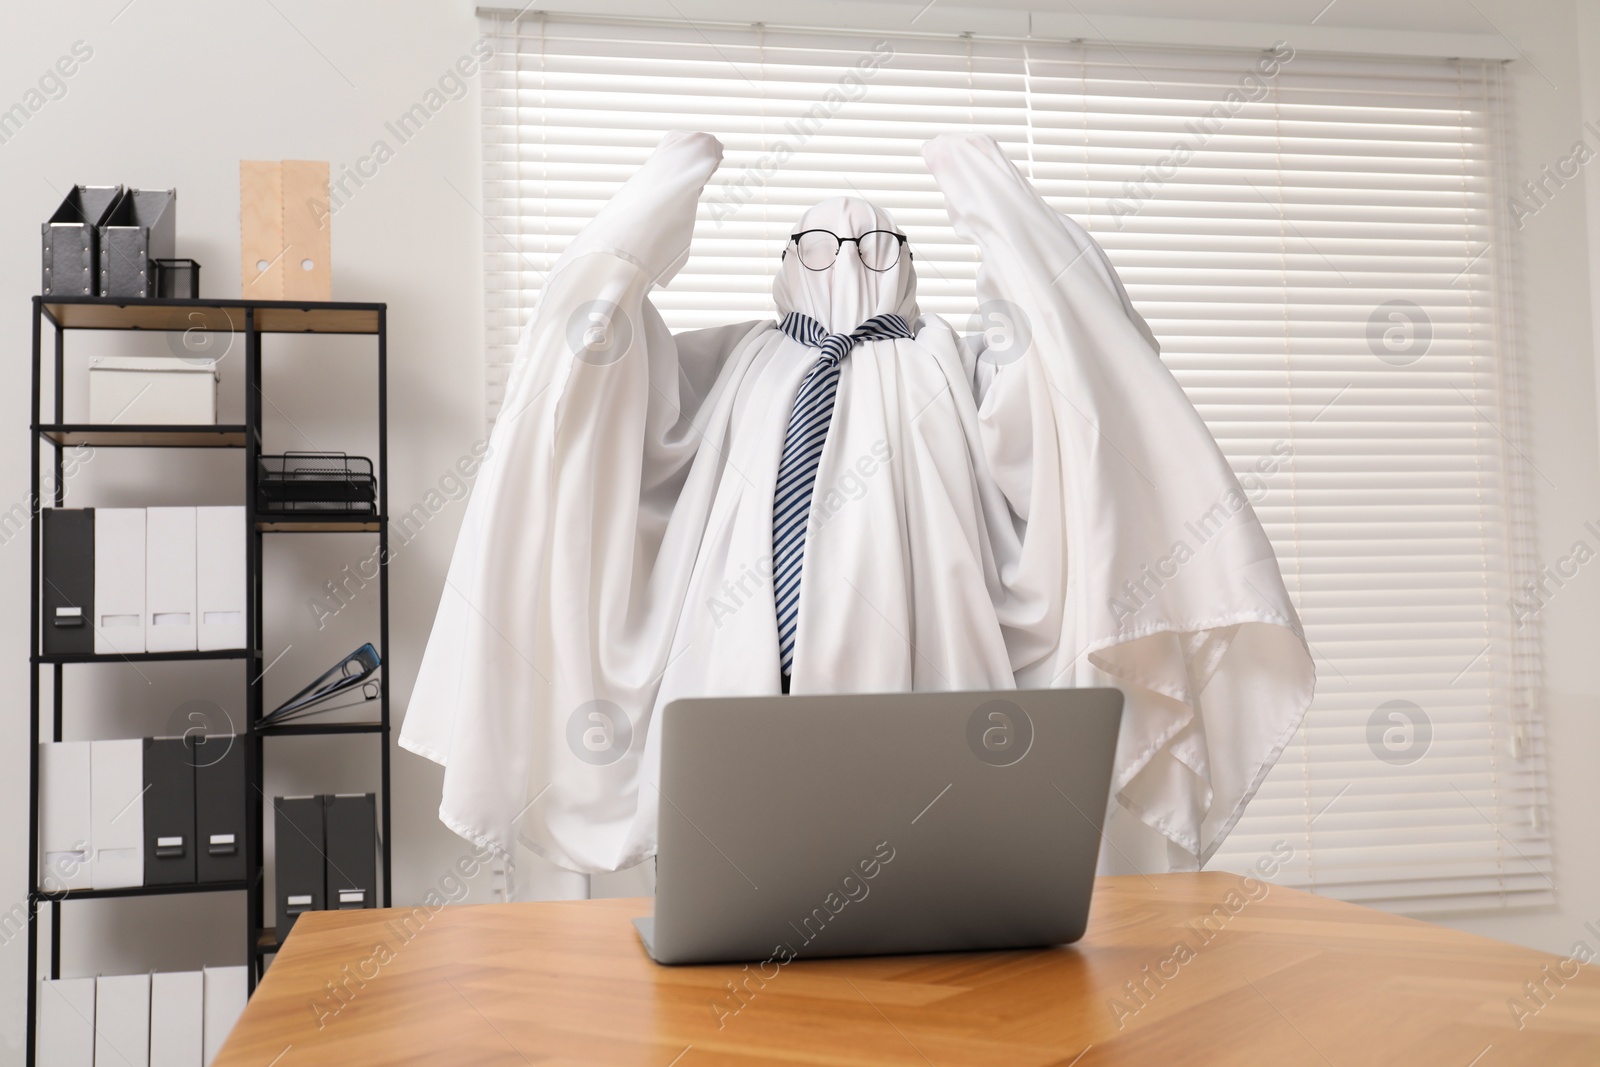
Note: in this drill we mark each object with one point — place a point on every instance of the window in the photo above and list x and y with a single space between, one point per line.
1314 240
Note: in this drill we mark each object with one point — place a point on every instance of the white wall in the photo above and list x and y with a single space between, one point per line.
1554 92
177 92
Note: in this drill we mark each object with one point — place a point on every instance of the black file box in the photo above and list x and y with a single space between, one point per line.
169 812
350 822
140 229
67 591
301 873
219 802
72 240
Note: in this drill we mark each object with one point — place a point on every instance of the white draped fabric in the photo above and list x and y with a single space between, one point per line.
1034 509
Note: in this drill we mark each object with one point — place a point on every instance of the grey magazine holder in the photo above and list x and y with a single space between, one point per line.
72 240
140 229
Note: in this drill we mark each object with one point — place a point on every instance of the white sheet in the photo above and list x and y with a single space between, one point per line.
977 513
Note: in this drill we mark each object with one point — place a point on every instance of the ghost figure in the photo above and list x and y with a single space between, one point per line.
1037 505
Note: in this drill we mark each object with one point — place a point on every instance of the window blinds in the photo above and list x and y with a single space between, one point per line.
1314 240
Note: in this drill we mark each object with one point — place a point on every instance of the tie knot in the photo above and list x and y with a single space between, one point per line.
835 346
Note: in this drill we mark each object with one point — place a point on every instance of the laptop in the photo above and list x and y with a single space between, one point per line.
801 827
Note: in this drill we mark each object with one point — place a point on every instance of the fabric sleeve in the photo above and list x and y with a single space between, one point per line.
1172 591
563 535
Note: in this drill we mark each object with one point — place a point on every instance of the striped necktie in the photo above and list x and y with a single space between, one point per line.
802 452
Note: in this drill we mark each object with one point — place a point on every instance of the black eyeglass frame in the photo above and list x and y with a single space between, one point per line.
900 238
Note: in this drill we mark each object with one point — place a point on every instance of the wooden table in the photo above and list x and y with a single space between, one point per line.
1175 969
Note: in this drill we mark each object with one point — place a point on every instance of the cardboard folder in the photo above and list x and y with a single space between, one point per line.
284 230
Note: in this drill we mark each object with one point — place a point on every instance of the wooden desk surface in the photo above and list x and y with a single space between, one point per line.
1280 978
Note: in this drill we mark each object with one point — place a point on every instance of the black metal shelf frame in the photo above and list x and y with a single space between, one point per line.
252 318
137 657
291 729
139 891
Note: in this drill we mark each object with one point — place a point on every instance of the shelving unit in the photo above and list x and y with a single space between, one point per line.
251 319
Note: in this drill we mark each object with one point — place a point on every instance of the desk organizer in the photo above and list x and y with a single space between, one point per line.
325 484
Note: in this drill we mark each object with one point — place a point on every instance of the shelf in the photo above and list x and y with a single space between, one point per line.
319 525
53 432
289 729
102 436
142 891
137 657
214 316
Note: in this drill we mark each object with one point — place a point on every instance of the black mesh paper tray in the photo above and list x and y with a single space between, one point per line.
319 483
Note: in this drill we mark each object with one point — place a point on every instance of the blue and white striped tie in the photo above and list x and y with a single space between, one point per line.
802 452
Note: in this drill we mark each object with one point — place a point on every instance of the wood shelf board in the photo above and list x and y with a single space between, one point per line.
323 320
317 526
218 436
214 316
142 315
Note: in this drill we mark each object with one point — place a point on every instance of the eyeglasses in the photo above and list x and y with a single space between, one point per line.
879 249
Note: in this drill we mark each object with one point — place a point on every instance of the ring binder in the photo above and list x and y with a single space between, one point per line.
349 672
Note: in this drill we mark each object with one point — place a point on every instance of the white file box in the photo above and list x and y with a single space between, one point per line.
116 800
219 577
169 592
226 992
66 1022
118 580
177 1019
122 1020
65 833
152 390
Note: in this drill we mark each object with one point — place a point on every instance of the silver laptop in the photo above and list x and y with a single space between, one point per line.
799 827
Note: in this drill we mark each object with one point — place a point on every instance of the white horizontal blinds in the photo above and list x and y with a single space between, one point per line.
1347 333
570 110
1266 211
